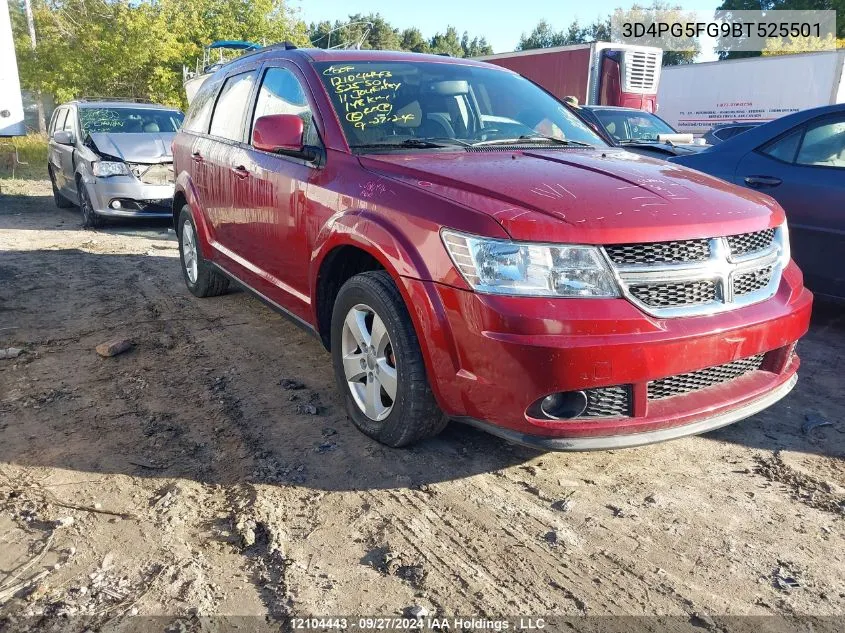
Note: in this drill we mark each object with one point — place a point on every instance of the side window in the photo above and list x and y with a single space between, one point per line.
71 115
199 114
824 144
282 93
227 120
785 147
59 123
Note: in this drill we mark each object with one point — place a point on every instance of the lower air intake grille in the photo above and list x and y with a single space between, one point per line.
695 380
668 295
608 402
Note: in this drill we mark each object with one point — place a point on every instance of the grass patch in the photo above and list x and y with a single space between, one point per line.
31 150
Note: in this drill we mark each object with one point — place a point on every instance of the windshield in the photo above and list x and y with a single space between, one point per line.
632 126
129 120
427 104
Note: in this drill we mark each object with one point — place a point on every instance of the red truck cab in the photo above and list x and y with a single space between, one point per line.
468 249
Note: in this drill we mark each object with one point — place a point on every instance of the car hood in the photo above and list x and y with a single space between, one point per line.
135 148
589 196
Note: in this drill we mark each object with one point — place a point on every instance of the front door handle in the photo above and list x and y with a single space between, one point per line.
762 181
240 171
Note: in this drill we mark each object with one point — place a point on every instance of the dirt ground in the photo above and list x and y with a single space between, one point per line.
186 478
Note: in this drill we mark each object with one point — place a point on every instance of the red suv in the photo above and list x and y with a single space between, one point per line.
467 248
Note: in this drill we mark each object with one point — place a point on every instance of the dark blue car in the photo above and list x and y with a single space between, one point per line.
799 160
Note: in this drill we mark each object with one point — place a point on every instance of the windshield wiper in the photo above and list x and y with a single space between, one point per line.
535 138
415 143
638 141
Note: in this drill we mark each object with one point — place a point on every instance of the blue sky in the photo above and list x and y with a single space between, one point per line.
500 22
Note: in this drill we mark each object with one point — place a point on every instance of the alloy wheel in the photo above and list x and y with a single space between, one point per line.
369 363
189 252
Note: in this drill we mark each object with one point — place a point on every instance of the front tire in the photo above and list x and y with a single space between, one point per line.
378 363
202 280
90 219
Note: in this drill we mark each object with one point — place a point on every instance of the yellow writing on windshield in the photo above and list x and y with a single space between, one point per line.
366 97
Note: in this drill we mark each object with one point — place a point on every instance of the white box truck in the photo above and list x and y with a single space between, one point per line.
694 98
11 105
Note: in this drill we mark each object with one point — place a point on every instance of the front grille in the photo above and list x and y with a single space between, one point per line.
750 242
699 276
752 280
608 402
667 295
659 252
703 378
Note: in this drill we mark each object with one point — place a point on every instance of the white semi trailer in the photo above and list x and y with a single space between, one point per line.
694 98
11 105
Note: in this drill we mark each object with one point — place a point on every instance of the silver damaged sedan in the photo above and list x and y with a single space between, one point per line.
113 159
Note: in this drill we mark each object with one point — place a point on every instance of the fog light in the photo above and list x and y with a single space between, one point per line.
115 204
564 405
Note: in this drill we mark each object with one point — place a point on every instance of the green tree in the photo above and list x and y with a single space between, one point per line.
412 40
544 35
447 42
136 48
669 13
475 47
729 6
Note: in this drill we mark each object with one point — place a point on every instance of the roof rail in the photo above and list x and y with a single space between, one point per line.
117 99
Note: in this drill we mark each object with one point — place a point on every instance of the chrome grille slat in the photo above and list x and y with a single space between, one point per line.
608 402
752 281
659 252
750 242
700 276
694 381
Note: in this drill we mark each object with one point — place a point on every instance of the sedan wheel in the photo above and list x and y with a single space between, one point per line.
368 362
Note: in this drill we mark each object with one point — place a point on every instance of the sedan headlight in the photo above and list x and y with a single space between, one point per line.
538 270
105 168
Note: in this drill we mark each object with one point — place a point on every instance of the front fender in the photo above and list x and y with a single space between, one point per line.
185 189
386 243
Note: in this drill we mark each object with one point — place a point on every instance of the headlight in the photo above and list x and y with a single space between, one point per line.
104 169
784 245
538 270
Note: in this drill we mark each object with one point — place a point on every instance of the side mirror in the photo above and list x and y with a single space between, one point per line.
63 137
278 133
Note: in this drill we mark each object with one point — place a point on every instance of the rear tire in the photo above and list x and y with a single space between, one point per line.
200 277
90 220
376 354
58 198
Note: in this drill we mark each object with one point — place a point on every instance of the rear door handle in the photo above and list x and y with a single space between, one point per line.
240 171
762 181
196 157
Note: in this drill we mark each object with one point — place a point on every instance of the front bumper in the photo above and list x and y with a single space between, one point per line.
490 358
138 199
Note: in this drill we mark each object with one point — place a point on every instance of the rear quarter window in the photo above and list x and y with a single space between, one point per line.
199 112
228 119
